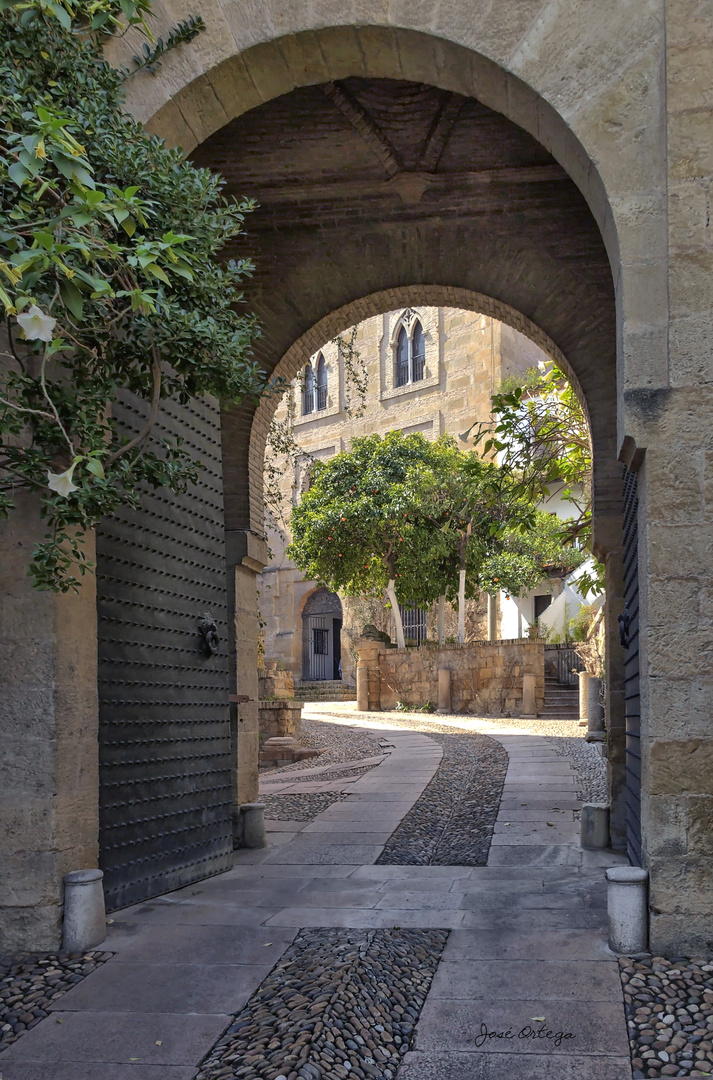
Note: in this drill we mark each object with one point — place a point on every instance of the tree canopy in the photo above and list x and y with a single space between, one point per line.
419 520
541 437
110 276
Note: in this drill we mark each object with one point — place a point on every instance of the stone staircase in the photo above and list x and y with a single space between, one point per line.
325 690
561 702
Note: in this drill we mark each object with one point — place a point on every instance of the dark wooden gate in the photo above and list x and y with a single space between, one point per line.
164 723
629 623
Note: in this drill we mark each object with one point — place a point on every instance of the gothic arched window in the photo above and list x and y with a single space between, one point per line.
321 383
410 351
308 391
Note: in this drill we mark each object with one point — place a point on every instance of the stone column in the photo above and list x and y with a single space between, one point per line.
583 695
529 706
246 557
362 686
49 780
444 690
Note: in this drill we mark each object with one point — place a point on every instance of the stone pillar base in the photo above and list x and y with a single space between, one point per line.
84 911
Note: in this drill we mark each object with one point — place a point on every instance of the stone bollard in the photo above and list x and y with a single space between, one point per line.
595 711
253 815
84 912
627 909
444 690
529 705
362 688
583 698
595 825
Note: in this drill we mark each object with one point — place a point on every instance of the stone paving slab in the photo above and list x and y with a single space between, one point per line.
203 945
363 917
109 1071
526 920
132 987
544 980
506 944
116 1038
452 1024
318 853
510 1066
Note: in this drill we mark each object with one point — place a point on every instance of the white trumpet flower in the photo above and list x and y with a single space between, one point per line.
62 482
36 325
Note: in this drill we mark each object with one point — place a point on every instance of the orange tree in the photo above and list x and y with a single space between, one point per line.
415 520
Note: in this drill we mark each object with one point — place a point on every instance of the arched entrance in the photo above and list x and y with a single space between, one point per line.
321 637
592 93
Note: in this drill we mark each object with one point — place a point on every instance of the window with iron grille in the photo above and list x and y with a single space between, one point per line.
308 391
320 642
410 356
414 622
321 383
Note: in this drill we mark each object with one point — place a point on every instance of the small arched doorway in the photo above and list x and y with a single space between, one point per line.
321 637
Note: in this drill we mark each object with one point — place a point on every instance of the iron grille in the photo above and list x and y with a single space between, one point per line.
632 703
319 661
566 662
164 725
414 620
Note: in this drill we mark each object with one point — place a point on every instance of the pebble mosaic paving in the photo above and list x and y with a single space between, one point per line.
339 1003
452 822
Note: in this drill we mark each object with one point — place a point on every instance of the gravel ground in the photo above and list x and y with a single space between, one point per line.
340 743
29 984
452 822
300 807
339 1003
669 1008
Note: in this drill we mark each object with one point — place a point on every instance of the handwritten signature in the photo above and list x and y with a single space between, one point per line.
525 1032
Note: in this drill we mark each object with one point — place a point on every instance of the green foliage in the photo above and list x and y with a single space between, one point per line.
109 278
542 440
403 508
529 380
357 526
528 554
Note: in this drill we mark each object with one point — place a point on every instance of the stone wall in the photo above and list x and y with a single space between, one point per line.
486 676
49 759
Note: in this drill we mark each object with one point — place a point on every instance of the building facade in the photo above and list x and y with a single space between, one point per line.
431 370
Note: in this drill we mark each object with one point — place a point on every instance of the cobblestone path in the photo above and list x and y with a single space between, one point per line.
452 822
339 1003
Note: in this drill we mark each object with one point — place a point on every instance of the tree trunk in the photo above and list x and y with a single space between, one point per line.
441 620
461 605
391 593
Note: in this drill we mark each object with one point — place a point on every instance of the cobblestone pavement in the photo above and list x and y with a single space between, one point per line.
300 806
340 1003
28 986
452 822
669 1005
525 946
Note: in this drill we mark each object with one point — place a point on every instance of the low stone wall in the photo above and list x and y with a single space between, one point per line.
280 718
486 677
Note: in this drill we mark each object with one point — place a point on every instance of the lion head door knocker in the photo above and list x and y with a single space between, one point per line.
208 631
624 620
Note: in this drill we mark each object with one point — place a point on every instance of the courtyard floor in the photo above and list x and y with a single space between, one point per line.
352 946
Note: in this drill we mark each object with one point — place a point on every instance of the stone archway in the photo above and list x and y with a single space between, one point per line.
596 90
321 637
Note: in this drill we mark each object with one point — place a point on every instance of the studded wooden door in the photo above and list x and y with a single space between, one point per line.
629 624
164 723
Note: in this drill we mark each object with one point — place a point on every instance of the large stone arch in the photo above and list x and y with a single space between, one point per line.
602 89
